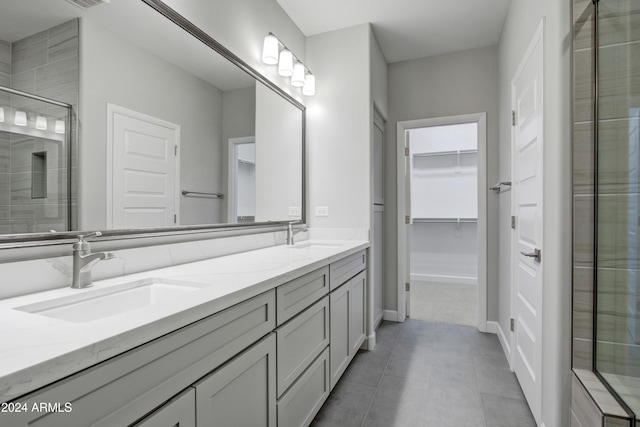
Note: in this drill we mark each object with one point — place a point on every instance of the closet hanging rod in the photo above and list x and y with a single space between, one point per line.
444 153
498 187
199 193
446 220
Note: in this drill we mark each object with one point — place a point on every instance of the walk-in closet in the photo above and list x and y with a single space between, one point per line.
444 219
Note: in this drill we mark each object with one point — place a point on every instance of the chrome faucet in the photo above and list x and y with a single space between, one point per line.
291 232
83 260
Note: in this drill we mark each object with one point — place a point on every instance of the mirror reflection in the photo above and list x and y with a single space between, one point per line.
164 130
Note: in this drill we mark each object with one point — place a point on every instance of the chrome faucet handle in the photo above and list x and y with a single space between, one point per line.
82 237
82 245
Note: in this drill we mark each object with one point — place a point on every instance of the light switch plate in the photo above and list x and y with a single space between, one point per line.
294 211
322 211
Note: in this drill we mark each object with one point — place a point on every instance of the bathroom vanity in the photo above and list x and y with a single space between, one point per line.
259 338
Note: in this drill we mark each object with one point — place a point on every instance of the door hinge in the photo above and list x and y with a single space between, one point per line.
407 287
407 219
406 151
513 324
175 219
513 222
514 118
175 151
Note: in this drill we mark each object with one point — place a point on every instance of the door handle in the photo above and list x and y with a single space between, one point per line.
536 254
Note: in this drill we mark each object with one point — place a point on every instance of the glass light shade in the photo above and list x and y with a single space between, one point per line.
309 88
270 50
1 114
60 126
20 119
285 65
297 79
41 123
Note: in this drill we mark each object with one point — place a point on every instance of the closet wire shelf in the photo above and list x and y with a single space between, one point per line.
444 153
445 220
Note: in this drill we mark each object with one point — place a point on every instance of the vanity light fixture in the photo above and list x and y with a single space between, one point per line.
288 64
20 118
270 50
59 127
41 122
297 78
285 65
1 114
309 88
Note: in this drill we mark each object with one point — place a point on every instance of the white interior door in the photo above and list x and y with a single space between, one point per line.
527 92
144 170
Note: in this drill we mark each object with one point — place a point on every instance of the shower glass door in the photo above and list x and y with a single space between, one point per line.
617 125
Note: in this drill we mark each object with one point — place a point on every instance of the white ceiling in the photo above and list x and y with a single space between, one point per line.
407 29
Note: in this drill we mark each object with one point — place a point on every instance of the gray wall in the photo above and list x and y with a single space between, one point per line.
444 85
339 128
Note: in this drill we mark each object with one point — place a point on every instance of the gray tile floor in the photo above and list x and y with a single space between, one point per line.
428 375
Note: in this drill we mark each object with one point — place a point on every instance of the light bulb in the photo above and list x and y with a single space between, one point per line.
20 118
270 50
285 66
309 88
41 123
59 127
297 79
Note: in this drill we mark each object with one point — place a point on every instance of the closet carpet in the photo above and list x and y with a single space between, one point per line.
428 375
444 302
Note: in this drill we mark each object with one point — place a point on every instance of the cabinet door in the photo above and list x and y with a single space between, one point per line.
357 316
304 399
242 392
340 307
178 412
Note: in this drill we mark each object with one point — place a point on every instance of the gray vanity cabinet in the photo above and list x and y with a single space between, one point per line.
178 412
242 392
268 361
348 323
125 388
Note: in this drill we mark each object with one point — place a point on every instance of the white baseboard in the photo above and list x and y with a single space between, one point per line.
370 342
504 341
492 327
378 321
390 315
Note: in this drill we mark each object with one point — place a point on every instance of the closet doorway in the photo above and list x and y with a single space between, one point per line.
442 232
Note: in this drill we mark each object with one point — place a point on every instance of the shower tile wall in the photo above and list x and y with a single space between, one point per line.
618 192
44 64
583 185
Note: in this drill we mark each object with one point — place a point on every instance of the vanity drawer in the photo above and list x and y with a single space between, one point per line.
295 296
300 341
123 389
179 411
302 402
344 269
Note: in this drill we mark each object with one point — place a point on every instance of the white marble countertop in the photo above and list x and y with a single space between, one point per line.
36 350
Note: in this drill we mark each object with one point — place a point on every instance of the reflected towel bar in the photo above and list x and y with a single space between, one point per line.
498 187
198 193
445 220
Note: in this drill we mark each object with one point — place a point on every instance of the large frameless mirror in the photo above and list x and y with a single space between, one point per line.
147 128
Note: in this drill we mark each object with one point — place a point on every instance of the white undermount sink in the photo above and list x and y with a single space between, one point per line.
316 245
97 303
